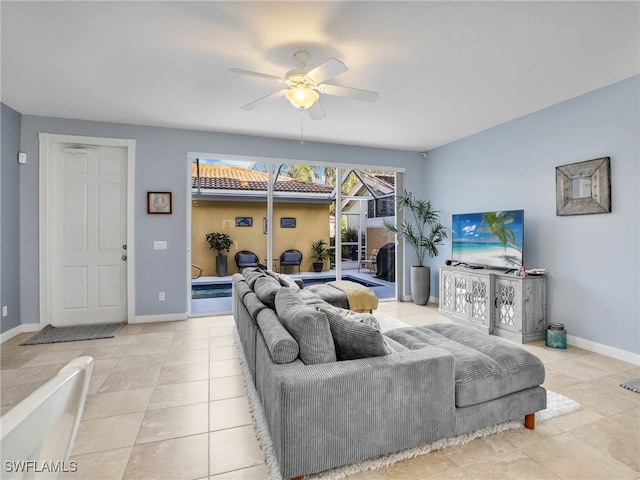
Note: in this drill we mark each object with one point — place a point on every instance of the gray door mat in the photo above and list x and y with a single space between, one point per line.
50 334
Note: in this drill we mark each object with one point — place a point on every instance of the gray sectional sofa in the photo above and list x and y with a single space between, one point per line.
336 391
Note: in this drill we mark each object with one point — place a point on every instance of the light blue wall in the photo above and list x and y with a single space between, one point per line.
593 260
9 206
161 156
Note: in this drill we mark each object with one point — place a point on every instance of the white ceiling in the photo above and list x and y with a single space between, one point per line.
443 70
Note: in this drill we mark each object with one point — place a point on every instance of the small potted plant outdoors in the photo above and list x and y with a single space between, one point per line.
220 242
424 233
319 253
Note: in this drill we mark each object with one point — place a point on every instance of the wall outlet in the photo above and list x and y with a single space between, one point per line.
159 244
161 296
5 311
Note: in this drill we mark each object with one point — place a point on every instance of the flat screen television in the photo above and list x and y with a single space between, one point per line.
488 239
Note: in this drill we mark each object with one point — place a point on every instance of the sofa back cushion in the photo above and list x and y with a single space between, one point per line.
253 274
362 317
308 326
288 282
282 346
266 289
355 335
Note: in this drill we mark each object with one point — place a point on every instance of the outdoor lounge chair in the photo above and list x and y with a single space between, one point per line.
371 263
245 258
290 258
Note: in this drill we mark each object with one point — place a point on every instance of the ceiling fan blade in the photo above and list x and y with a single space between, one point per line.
316 111
257 74
366 95
327 70
263 100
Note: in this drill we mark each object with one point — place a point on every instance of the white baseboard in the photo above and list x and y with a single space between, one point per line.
612 352
26 328
169 317
432 299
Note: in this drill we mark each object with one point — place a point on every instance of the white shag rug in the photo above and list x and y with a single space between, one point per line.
556 405
633 385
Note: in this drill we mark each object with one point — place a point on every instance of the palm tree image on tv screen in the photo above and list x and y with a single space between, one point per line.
493 239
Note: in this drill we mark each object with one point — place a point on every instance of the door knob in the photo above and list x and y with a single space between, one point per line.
124 247
124 257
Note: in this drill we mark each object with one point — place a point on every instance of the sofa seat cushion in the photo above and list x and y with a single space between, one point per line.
309 327
485 367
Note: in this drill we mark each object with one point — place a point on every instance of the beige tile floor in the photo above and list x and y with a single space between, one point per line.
167 401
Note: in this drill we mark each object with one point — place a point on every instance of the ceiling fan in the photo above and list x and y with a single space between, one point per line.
303 85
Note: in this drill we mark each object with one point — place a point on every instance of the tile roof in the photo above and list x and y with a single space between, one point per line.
223 177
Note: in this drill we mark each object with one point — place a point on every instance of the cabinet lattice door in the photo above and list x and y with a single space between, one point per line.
508 311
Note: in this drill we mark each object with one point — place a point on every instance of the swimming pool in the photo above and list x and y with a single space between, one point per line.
315 281
211 290
222 290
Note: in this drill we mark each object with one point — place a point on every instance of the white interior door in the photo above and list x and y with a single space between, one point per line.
88 252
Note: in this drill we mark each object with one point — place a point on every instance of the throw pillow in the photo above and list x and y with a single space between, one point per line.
308 326
247 259
272 274
266 289
354 339
288 282
361 317
289 257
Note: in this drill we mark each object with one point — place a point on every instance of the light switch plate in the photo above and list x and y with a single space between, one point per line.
22 157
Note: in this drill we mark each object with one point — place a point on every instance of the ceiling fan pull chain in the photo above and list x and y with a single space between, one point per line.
301 126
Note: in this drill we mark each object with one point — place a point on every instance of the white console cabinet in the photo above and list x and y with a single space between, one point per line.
494 302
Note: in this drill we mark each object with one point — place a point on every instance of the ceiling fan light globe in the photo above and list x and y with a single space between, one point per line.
302 97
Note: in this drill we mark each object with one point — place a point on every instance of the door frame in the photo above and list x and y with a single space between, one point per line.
45 218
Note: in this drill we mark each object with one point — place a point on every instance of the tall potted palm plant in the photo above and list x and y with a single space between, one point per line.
220 242
424 233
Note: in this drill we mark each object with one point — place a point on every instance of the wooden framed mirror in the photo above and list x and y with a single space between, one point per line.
583 188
